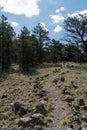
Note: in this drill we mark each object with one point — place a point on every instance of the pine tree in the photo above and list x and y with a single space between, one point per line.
24 43
56 49
6 38
42 36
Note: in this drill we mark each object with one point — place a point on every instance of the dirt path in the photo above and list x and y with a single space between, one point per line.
59 111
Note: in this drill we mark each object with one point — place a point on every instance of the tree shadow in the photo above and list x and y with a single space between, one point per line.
3 76
31 72
82 67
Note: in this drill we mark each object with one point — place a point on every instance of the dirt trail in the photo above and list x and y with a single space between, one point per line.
18 87
59 112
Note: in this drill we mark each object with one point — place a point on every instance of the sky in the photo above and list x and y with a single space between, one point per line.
50 13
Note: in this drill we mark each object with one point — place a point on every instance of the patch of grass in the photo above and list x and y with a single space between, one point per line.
19 87
48 119
65 121
84 124
82 68
50 107
63 107
17 121
38 127
62 96
4 127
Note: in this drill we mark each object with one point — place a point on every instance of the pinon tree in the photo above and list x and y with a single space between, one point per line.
76 30
6 39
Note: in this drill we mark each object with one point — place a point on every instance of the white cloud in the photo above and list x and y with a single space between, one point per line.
28 8
42 24
57 18
83 12
60 9
58 29
14 24
2 2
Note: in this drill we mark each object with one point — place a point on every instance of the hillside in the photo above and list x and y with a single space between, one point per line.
51 97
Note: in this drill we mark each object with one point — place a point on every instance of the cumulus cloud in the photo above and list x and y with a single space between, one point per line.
58 29
42 24
2 2
77 13
14 24
28 8
60 9
57 18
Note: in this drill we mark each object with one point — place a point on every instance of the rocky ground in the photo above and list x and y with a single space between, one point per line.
52 97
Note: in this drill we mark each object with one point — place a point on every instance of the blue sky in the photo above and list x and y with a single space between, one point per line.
50 13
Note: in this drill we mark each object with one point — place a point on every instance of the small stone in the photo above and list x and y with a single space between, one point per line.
37 119
69 129
83 108
40 108
19 108
84 118
77 125
62 79
4 96
25 121
45 98
84 128
73 85
81 102
1 104
65 91
42 93
69 98
37 115
75 106
43 102
56 80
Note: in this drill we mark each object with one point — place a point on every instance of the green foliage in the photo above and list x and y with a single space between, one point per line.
48 119
29 50
42 36
24 49
65 121
73 53
55 51
38 127
76 30
6 39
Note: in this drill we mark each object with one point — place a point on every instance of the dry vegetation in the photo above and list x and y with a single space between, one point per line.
59 90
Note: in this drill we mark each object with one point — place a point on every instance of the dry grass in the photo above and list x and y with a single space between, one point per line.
19 87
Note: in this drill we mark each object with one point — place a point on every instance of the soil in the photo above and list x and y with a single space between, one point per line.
16 87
